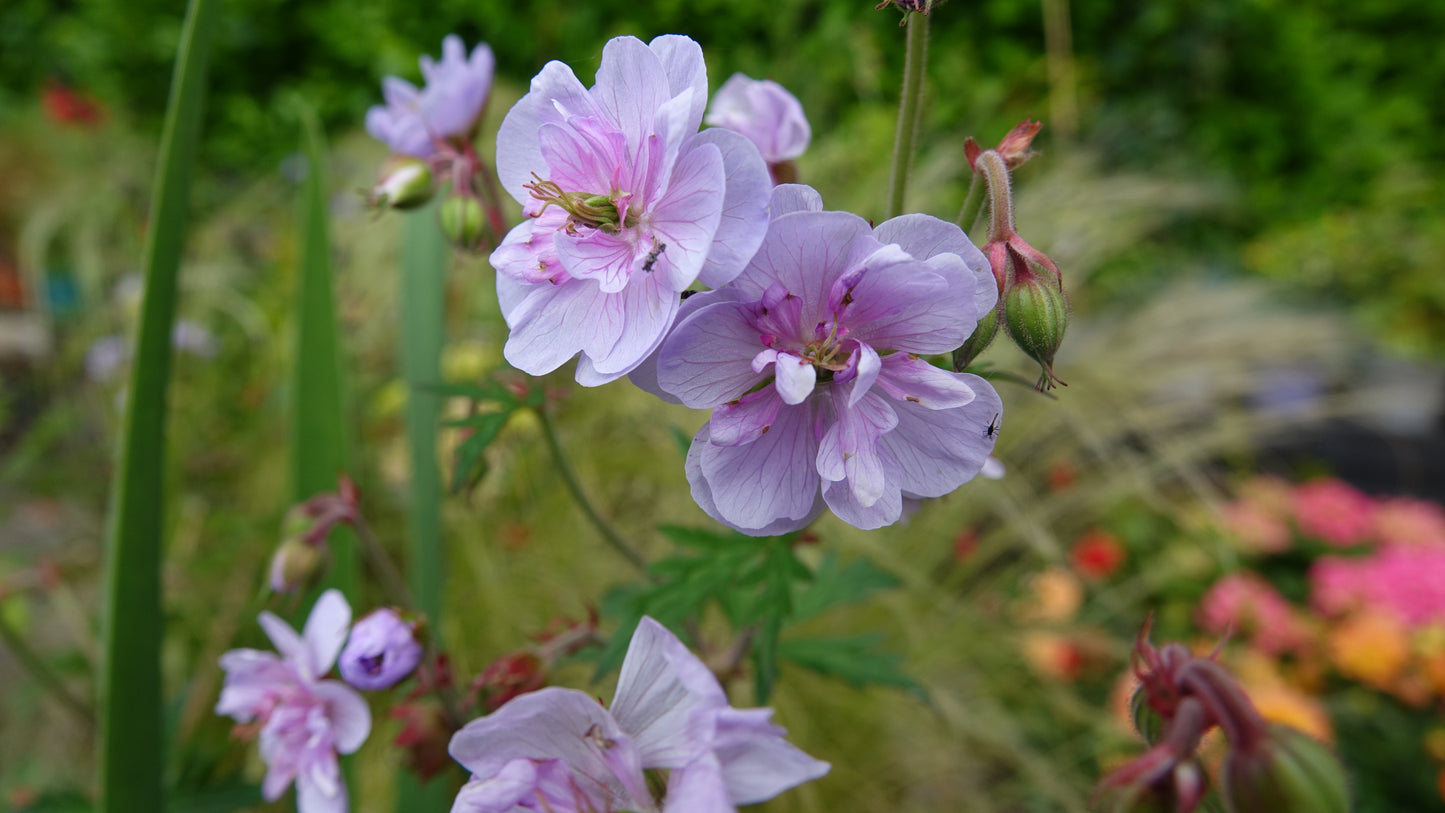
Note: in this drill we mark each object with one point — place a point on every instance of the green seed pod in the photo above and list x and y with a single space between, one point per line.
1147 721
1288 772
462 220
980 340
1036 315
405 183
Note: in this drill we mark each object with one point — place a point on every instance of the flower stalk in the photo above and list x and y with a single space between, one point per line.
915 63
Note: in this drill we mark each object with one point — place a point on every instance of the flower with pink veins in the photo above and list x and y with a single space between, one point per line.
626 204
558 750
810 361
304 721
416 122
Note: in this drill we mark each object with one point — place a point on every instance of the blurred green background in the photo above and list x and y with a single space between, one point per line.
1245 197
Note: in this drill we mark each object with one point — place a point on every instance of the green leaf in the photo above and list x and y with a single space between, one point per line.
468 465
318 415
853 659
834 585
132 745
423 318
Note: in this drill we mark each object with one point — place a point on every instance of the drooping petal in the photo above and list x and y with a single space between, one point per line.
744 219
940 449
706 362
757 762
552 324
796 378
350 716
887 509
563 724
866 366
325 632
754 487
849 447
666 698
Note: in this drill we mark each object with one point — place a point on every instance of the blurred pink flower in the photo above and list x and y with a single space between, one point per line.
1409 521
1336 584
1246 604
1255 528
1334 512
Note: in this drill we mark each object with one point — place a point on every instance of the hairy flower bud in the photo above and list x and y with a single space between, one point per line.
1036 314
462 220
1288 771
405 183
382 651
296 565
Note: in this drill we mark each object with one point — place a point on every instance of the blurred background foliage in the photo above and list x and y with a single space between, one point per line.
1245 184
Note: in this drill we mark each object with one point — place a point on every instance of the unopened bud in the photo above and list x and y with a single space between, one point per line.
1036 315
1179 789
510 676
978 342
382 650
462 220
295 565
1148 722
405 183
1286 772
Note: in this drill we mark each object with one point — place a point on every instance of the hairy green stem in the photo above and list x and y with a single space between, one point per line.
972 203
1000 196
915 63
564 468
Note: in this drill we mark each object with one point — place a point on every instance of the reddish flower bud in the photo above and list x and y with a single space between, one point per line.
424 736
1014 147
509 676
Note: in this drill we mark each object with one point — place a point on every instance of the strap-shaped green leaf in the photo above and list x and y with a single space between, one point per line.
132 743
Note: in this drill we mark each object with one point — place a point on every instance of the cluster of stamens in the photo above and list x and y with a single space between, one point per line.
583 208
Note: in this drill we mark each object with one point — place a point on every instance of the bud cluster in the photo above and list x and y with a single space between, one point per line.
300 558
1032 307
1268 768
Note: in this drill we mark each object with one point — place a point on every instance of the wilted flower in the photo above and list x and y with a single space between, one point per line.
382 651
626 206
413 121
304 721
558 750
765 113
812 408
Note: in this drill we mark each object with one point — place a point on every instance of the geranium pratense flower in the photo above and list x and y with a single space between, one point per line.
304 721
810 407
381 652
765 113
626 206
558 750
413 122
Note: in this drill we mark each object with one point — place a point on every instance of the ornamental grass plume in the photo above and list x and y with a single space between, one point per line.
559 750
626 205
304 722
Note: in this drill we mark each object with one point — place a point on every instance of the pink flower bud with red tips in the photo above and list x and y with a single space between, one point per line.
1287 771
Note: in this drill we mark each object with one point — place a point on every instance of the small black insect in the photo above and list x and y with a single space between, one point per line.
992 429
652 257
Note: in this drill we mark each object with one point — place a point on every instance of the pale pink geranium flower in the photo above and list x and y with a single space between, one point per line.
304 721
557 750
1244 603
417 122
626 205
766 113
811 361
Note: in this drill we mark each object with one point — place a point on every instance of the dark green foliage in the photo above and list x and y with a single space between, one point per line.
854 659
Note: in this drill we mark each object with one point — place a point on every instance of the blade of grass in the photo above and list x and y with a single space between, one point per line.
132 745
423 331
318 422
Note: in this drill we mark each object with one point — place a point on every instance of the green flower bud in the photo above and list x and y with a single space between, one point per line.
1286 772
1148 722
1036 315
462 220
405 183
296 565
980 340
